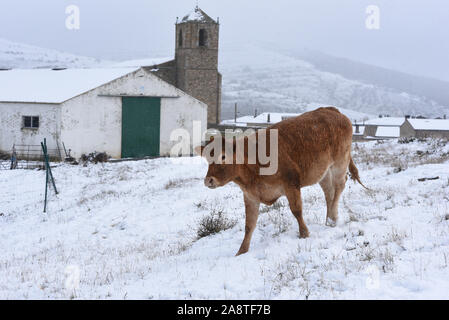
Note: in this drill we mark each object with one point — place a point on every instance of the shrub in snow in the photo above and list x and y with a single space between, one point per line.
406 140
214 223
173 184
94 157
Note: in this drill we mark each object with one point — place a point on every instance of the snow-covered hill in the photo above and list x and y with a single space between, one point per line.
18 55
129 230
257 77
271 81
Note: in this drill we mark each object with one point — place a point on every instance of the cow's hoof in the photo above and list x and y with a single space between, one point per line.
241 251
331 223
303 234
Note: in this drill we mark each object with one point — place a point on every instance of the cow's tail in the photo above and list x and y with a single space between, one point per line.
354 173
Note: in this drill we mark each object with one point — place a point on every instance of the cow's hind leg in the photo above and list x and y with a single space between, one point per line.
339 178
329 191
295 202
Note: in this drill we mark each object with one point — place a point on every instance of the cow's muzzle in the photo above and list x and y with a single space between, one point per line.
211 182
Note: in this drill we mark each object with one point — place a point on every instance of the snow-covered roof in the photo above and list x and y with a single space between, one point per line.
386 121
197 15
54 86
429 124
262 118
147 62
392 132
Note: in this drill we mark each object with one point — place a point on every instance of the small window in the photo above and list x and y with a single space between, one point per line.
180 39
203 38
30 122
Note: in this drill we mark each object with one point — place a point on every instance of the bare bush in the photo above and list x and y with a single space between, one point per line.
214 223
175 183
279 221
278 205
387 259
292 271
94 157
432 151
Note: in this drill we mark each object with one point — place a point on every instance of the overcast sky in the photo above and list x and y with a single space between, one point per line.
413 35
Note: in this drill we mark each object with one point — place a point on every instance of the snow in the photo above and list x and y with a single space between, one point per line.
275 80
429 124
51 86
129 230
388 132
197 15
256 77
361 130
386 121
19 55
275 117
147 62
262 118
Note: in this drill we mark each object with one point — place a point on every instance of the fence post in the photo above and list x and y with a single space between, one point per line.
48 173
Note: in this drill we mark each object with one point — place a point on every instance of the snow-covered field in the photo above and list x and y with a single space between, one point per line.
129 230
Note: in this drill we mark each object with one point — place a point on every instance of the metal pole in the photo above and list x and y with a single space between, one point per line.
48 166
235 113
46 181
48 173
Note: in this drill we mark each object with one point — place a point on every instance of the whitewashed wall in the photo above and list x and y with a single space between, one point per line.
92 122
11 131
180 113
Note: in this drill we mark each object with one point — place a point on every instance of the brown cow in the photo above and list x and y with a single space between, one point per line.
314 147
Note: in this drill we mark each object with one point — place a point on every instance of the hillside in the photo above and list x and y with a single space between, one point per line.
400 81
257 77
130 231
18 55
283 81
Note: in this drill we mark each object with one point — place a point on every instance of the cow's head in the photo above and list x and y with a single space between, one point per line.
220 154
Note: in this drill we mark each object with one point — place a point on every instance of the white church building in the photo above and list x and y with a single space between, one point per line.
128 110
125 112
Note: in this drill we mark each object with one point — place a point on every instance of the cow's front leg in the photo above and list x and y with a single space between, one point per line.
295 202
252 213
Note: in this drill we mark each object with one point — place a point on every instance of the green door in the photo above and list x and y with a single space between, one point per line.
141 119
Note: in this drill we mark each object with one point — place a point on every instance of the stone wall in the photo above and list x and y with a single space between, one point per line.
407 130
444 134
166 71
197 66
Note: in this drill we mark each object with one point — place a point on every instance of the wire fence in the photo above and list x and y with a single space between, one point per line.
27 157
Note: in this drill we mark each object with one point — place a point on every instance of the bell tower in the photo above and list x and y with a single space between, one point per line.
197 43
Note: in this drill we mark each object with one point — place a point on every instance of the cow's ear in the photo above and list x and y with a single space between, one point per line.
199 150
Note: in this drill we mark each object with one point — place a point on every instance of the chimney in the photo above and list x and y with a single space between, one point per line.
268 118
